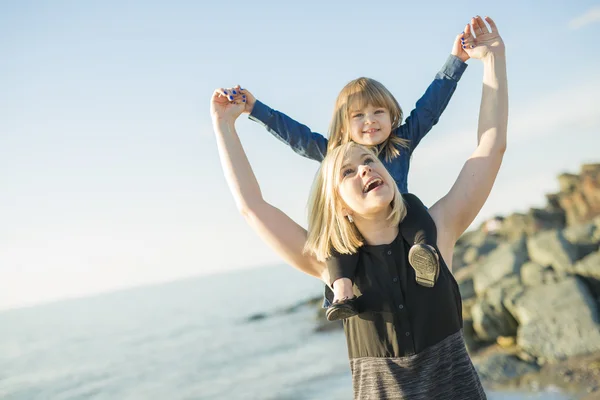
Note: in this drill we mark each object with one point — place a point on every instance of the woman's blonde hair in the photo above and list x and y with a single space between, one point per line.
359 93
328 229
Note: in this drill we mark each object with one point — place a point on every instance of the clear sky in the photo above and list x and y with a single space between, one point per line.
109 173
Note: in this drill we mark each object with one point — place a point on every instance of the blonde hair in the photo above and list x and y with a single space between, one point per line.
328 229
362 92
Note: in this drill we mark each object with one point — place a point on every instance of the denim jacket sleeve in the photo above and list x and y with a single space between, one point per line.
432 104
299 137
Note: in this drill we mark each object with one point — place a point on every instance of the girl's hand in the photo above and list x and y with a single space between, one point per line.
479 42
249 97
224 106
238 94
458 50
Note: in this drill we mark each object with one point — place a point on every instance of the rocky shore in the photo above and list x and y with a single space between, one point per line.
530 287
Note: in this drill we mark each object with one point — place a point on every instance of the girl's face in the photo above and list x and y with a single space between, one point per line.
365 186
370 125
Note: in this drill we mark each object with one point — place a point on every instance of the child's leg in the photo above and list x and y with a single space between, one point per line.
341 268
342 289
419 230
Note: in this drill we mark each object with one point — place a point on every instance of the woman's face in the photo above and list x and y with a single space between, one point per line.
365 185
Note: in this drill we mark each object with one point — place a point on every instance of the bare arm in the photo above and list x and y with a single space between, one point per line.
457 210
279 231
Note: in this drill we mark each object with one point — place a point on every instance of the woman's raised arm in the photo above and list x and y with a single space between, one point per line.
457 210
278 230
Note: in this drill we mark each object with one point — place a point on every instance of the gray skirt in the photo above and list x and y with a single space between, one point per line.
443 371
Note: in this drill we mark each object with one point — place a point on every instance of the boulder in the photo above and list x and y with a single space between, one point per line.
480 249
583 237
504 261
501 367
552 249
579 194
532 222
589 266
464 278
533 274
472 246
557 321
491 318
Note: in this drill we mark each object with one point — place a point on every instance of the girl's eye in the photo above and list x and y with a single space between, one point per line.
347 172
369 160
357 115
379 111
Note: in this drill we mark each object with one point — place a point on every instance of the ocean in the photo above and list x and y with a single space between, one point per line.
190 339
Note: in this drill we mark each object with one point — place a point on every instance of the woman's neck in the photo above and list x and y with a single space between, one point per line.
376 230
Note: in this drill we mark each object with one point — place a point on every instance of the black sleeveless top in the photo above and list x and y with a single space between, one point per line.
404 331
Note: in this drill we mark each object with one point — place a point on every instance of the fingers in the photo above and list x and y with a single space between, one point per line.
460 37
241 95
234 94
468 32
492 24
467 40
476 28
219 96
479 26
469 43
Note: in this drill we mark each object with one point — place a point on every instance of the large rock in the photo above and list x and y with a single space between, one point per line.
504 261
557 321
583 237
534 274
472 246
500 367
534 221
596 222
588 266
491 319
552 249
579 196
480 249
581 233
464 278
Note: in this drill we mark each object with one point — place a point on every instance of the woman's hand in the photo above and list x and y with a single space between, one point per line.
479 42
224 107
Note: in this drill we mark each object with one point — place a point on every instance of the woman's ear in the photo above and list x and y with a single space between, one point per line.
347 213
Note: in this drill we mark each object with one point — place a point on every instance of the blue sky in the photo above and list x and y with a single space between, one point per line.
108 165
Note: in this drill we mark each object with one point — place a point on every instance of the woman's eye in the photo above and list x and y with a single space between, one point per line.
369 160
347 172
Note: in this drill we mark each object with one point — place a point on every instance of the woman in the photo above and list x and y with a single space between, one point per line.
406 341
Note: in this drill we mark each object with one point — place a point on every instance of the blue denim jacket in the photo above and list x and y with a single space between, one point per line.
426 114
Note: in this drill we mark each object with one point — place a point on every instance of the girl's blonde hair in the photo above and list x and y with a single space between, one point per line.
328 229
360 93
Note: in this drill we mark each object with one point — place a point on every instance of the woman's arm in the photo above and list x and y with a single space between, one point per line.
456 211
279 231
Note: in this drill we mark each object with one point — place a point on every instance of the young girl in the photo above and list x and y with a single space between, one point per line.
367 113
407 342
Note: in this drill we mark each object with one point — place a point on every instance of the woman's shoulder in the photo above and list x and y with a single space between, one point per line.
413 201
